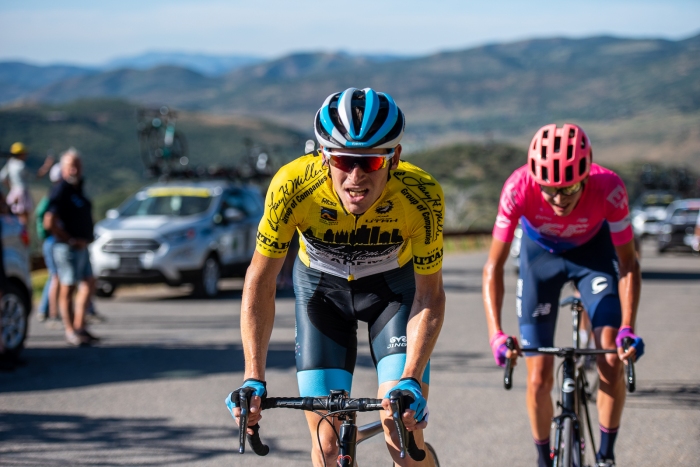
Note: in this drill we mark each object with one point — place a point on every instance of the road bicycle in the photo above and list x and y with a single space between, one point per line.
337 404
569 447
163 147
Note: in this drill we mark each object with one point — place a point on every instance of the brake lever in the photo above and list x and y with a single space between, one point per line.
396 402
244 396
630 380
508 376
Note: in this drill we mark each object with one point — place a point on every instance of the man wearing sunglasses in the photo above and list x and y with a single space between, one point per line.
576 227
370 230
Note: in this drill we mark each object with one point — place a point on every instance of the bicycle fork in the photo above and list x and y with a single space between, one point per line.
568 405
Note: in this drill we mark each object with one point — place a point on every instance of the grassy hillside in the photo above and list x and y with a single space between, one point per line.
639 98
105 132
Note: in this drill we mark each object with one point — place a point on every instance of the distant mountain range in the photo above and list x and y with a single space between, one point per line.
640 98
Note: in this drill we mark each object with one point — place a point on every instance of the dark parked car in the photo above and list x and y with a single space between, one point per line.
677 230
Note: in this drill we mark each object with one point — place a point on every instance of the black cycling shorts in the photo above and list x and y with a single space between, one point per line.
327 311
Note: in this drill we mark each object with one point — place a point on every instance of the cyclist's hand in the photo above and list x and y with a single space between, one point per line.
501 352
255 413
635 350
415 416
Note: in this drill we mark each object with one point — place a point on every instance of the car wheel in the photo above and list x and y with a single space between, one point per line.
207 285
15 309
105 289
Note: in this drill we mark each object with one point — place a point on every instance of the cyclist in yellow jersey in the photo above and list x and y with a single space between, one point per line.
370 230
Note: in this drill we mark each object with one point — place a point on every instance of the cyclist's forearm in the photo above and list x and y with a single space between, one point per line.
422 331
630 287
493 292
257 318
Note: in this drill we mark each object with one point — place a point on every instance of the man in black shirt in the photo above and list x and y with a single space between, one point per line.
69 218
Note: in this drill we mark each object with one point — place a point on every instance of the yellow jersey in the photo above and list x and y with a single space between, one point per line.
404 224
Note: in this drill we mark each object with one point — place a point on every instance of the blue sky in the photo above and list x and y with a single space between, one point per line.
82 32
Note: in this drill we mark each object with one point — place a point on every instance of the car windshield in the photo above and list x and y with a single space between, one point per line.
178 202
657 200
686 216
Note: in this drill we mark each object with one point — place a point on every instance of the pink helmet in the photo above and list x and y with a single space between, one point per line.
560 156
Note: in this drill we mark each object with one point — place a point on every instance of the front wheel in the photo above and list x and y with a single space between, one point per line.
207 285
569 446
430 448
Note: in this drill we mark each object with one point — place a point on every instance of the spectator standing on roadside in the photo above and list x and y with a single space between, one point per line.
48 306
69 218
14 174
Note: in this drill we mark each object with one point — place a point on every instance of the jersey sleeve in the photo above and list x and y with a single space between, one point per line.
617 211
279 222
426 214
510 208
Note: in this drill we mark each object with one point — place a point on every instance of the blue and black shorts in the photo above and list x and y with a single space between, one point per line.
328 309
593 268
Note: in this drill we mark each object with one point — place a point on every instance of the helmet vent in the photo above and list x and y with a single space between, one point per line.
569 173
582 166
532 167
583 143
557 143
556 171
572 133
545 174
543 152
545 134
570 151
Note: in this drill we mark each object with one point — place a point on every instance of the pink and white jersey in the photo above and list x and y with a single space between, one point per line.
604 198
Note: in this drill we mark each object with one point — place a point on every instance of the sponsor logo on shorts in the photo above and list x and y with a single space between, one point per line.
397 342
519 307
542 309
599 284
519 288
329 214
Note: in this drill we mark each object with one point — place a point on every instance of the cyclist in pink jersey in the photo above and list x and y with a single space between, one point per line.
576 227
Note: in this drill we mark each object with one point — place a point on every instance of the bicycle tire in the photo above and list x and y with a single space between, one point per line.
430 448
566 444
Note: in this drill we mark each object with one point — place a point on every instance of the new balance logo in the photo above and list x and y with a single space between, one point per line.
397 342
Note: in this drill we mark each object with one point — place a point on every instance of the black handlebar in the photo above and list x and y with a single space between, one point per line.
508 376
397 399
630 379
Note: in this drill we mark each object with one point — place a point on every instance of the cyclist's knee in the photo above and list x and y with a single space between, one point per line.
610 367
540 381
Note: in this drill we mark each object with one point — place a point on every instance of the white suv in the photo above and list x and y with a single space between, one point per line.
16 301
178 232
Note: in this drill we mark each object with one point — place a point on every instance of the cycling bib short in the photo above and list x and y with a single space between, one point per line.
327 311
593 267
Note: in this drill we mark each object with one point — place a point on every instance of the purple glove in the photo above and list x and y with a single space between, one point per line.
637 341
499 348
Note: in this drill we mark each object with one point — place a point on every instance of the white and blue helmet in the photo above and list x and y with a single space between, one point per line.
358 118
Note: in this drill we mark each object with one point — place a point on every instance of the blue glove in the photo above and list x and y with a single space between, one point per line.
232 400
637 341
411 388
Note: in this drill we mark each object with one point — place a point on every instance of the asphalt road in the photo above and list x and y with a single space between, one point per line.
152 393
